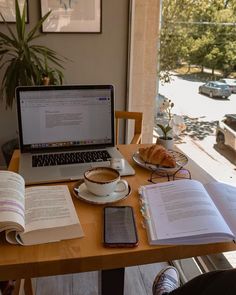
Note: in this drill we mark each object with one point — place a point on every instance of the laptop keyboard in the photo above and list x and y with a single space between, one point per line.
70 158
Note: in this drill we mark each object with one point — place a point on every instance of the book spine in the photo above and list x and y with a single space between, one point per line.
145 211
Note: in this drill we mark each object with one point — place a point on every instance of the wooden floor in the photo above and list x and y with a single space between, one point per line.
138 281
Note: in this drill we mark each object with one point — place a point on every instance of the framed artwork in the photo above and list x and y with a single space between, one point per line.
7 8
72 16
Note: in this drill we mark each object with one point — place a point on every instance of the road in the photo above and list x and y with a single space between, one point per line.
201 113
189 102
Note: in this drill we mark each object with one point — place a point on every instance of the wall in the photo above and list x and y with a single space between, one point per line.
95 58
143 62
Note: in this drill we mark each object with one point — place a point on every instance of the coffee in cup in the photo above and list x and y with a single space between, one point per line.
102 181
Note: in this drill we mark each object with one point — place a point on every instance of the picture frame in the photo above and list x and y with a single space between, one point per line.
7 9
72 16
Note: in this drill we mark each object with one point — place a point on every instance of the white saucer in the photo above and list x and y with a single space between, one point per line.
83 194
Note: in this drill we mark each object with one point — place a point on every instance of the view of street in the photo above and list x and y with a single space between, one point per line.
188 102
201 114
194 46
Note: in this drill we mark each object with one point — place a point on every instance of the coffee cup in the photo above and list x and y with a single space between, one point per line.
103 181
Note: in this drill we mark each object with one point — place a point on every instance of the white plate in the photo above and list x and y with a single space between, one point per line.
83 194
181 160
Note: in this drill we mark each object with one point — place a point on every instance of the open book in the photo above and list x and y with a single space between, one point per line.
36 215
186 212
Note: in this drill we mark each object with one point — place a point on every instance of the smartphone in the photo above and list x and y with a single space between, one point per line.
119 227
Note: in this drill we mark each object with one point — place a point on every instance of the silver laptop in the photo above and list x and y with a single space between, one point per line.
65 130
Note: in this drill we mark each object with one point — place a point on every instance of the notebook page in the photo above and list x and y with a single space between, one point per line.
182 208
224 196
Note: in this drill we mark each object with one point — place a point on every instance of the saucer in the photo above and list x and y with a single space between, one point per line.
83 194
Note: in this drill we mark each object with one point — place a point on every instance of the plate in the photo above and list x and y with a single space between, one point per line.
81 192
181 160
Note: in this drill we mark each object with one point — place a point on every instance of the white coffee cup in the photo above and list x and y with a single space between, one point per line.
103 181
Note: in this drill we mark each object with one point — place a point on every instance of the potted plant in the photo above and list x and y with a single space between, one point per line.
49 75
172 124
24 62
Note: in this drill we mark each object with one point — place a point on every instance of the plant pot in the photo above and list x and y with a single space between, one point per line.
167 143
46 81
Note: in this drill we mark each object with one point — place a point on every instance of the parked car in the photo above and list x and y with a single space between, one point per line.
231 83
215 89
226 132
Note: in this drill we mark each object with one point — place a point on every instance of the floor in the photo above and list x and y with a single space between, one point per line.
138 281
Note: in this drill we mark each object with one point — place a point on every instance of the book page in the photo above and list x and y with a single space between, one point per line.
12 204
224 196
48 206
180 209
50 216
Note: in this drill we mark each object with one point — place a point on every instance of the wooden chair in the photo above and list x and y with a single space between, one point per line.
138 119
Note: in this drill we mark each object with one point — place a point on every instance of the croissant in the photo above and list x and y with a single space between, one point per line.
157 155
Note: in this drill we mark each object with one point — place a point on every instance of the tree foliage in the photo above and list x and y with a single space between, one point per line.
201 33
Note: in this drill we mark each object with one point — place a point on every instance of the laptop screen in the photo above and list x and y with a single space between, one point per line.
76 116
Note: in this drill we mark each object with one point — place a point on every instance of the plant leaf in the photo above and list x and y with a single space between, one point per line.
18 21
31 34
9 29
164 129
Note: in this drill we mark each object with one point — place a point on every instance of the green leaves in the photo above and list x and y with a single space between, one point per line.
20 21
165 130
32 34
199 33
25 63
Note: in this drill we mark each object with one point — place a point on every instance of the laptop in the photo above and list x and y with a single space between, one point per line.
66 130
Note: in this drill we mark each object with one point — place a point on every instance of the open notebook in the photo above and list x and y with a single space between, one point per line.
65 130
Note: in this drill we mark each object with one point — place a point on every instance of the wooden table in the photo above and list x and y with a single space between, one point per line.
88 253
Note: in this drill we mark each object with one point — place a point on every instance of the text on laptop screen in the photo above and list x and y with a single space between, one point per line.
66 117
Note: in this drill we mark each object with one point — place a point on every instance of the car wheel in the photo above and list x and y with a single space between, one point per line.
211 94
220 140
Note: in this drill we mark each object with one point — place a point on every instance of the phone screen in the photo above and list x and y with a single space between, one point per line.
119 227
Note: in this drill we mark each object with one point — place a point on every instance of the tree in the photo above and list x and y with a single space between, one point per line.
199 33
174 41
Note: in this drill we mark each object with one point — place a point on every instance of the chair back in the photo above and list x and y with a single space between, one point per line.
137 117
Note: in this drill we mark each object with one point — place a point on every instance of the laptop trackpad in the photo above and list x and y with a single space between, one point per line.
74 171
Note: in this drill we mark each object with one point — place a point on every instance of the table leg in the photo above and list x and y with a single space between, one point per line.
28 287
112 281
23 286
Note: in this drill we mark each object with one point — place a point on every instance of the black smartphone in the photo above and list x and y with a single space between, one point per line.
119 227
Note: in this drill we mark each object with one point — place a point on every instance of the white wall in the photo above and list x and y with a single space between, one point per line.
95 58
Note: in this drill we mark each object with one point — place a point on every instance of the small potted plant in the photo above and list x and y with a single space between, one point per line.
172 124
49 75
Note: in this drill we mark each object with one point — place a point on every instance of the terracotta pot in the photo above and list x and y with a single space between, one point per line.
46 80
167 143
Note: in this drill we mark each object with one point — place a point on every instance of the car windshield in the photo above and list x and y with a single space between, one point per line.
222 86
